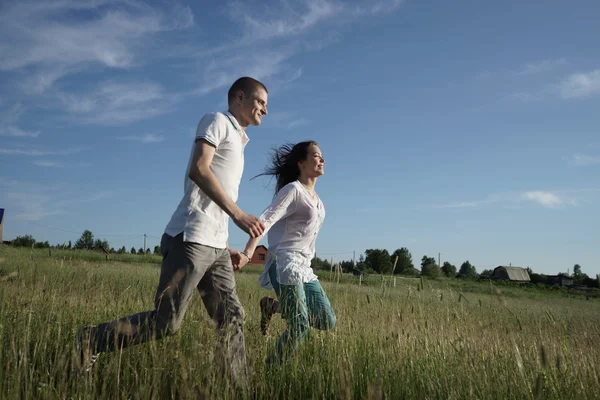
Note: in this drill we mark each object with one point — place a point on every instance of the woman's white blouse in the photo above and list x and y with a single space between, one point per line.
292 222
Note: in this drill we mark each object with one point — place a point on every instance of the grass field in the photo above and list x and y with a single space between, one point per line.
421 340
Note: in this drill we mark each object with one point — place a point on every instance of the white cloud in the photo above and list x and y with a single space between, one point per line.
542 66
147 138
38 153
578 85
16 132
546 199
582 159
41 37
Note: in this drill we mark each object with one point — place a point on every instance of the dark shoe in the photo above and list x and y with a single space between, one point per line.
268 307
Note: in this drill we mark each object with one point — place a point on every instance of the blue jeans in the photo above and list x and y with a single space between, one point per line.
303 305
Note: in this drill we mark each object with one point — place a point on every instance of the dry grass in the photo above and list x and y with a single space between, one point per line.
403 342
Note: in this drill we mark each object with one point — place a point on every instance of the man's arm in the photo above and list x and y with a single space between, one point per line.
201 174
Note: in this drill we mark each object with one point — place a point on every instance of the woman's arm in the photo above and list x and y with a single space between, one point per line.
283 206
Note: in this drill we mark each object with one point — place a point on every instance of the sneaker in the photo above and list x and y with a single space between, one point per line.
268 307
84 357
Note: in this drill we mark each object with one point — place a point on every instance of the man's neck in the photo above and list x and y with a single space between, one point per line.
236 115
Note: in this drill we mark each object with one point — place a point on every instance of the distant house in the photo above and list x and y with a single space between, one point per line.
260 255
512 274
559 280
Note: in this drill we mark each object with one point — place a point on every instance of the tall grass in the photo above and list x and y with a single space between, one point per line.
414 340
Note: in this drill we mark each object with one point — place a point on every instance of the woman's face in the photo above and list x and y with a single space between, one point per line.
313 166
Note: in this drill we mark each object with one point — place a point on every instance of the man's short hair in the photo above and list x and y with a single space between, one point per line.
245 84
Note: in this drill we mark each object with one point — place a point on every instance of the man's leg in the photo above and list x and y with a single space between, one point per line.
183 266
293 306
219 294
321 313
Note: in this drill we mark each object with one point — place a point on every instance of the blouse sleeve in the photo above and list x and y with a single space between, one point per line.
283 206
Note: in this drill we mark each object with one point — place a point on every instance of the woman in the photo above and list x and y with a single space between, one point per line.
292 221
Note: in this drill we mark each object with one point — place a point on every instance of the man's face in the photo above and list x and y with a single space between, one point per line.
253 107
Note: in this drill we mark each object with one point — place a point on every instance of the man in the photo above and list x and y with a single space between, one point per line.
194 245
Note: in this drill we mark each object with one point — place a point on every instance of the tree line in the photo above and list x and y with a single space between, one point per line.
380 261
85 242
374 261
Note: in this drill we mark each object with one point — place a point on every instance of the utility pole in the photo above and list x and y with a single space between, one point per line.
144 244
354 258
439 265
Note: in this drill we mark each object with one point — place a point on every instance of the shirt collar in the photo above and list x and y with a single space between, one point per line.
236 124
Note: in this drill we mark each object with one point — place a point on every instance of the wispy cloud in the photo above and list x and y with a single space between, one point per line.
583 159
147 138
9 117
16 132
286 119
57 164
542 66
34 201
273 33
525 97
107 33
49 164
87 38
578 85
118 103
38 153
546 199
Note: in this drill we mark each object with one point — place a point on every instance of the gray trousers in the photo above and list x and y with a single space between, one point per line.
186 267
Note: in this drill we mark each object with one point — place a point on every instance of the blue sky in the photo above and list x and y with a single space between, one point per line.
465 128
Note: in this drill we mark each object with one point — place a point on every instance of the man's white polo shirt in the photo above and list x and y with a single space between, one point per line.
199 218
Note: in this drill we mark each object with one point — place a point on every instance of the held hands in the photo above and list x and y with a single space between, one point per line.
249 224
238 260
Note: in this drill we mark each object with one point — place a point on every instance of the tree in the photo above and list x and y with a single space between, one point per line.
449 270
347 266
429 267
318 263
577 274
405 263
487 274
157 250
42 245
378 260
24 241
140 251
86 241
133 250
101 244
122 250
467 271
70 245
148 251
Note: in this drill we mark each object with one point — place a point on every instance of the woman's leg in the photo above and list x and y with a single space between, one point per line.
293 305
269 305
320 312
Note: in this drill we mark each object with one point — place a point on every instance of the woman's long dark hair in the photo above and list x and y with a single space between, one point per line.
284 162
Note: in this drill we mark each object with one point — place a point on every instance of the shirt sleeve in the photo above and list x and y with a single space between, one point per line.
212 129
283 206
